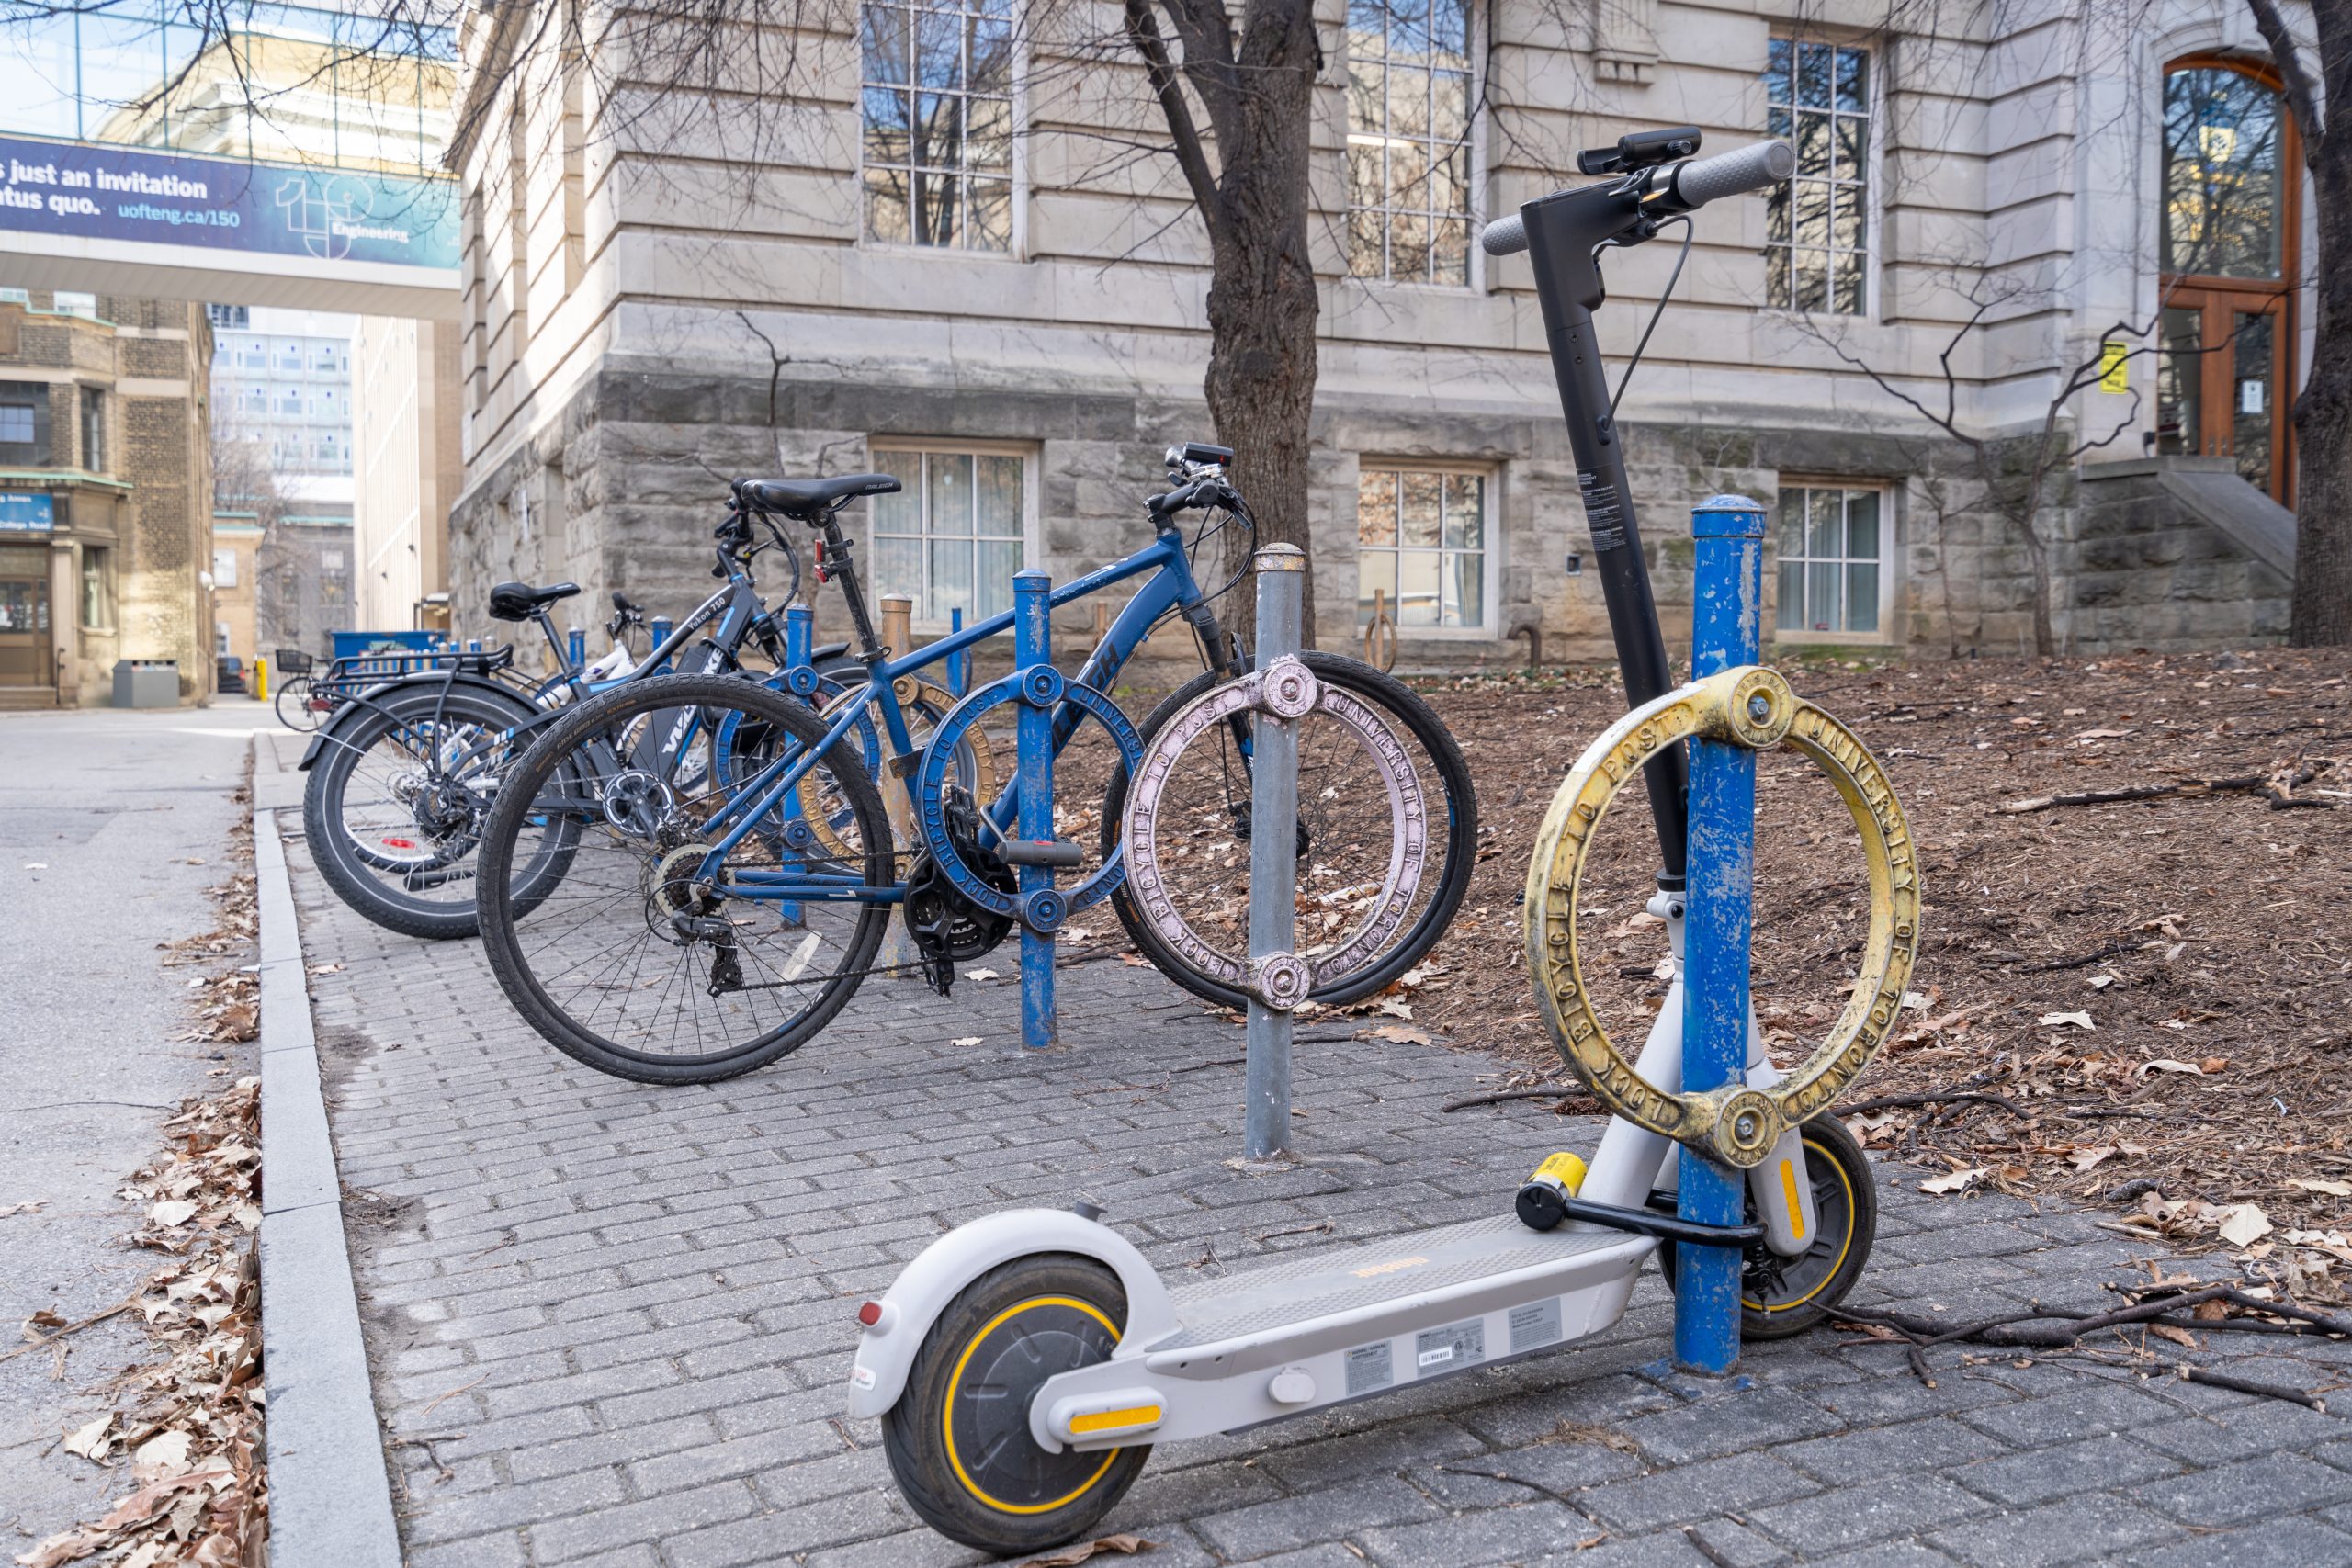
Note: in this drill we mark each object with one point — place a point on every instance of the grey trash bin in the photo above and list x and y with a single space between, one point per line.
146 683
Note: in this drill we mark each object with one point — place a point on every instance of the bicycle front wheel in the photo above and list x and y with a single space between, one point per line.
1356 921
702 929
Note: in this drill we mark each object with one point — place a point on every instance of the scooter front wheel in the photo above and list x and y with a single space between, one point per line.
958 1438
1784 1296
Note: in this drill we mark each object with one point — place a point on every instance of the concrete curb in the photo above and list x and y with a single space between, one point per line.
330 1500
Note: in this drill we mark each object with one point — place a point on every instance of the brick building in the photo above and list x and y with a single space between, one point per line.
106 503
927 243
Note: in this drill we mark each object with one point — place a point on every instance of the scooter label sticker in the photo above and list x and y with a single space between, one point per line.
1369 1368
1536 1324
1602 513
1455 1346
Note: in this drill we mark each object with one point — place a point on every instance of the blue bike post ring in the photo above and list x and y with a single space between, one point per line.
1044 909
801 681
930 788
1042 686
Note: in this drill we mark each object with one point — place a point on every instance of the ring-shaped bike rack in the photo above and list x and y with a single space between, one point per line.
1040 686
1749 706
1287 689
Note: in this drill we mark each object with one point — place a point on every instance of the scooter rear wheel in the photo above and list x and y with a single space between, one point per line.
1779 1296
958 1438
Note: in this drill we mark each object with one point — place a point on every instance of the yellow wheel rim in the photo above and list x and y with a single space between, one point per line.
955 1381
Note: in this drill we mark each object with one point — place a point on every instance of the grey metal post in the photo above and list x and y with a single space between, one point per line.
1274 856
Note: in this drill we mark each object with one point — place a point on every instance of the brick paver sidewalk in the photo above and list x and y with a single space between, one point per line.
612 1323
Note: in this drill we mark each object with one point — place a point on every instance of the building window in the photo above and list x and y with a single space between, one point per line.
93 430
952 537
83 305
938 123
1421 545
1408 140
24 423
1833 561
1817 257
97 587
15 296
224 568
229 316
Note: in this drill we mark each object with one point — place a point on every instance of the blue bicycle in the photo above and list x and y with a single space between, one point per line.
706 925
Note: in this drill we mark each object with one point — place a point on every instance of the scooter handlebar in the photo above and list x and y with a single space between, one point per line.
1696 183
1702 180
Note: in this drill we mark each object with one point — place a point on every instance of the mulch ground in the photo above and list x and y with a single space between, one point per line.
2158 992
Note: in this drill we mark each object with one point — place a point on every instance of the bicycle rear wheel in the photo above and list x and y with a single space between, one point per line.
1348 839
295 706
393 810
668 954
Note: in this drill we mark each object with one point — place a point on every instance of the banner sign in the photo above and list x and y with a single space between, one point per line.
23 514
125 192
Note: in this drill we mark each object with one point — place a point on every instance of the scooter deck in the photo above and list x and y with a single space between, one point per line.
1327 1283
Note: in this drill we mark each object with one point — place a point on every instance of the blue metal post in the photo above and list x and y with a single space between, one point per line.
1033 626
959 663
660 629
799 632
576 644
1726 631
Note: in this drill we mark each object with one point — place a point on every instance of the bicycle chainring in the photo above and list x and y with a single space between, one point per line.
947 927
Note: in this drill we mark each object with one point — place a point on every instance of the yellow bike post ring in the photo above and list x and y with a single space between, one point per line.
1750 707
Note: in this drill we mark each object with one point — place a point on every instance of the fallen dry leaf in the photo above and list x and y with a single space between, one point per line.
2180 1337
2079 1019
2311 1184
1404 1034
1958 1181
2245 1225
32 1208
2166 1065
982 975
967 1039
93 1440
1070 1556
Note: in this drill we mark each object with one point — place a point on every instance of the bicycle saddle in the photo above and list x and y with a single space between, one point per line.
520 601
805 499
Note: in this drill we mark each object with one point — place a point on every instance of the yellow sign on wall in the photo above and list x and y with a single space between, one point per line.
2114 368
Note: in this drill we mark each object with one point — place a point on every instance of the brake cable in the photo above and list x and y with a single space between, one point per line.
1663 296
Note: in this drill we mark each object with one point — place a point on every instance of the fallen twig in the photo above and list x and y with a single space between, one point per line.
2183 790
1545 1091
2247 1385
1946 1097
119 1307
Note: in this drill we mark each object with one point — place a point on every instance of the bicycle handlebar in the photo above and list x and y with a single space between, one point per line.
1693 183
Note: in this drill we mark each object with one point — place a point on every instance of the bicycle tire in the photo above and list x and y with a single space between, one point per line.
515 956
1411 717
302 717
354 872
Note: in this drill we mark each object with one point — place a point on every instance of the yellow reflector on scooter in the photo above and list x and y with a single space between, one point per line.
1789 1190
1114 1420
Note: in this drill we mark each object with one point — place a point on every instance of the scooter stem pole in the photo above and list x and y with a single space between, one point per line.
1559 243
1726 631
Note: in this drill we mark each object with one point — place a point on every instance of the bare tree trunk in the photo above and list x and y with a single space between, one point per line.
2322 612
1257 93
1263 306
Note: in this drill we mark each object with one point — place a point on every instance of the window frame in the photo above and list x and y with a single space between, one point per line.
1032 546
1017 91
92 407
1874 199
96 566
1889 495
1474 277
1489 508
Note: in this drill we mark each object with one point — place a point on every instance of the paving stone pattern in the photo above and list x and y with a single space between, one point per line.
611 1324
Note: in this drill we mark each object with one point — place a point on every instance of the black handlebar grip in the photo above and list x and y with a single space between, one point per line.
1703 180
1504 236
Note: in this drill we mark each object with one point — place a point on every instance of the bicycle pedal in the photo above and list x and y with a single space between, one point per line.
1058 853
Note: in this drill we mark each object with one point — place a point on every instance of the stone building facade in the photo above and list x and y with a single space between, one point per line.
106 514
929 254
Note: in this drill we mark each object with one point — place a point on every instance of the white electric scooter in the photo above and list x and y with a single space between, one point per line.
1023 1364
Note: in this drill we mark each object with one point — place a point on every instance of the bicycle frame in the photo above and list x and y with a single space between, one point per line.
1170 586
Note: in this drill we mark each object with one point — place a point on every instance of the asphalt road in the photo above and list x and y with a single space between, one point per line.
100 813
